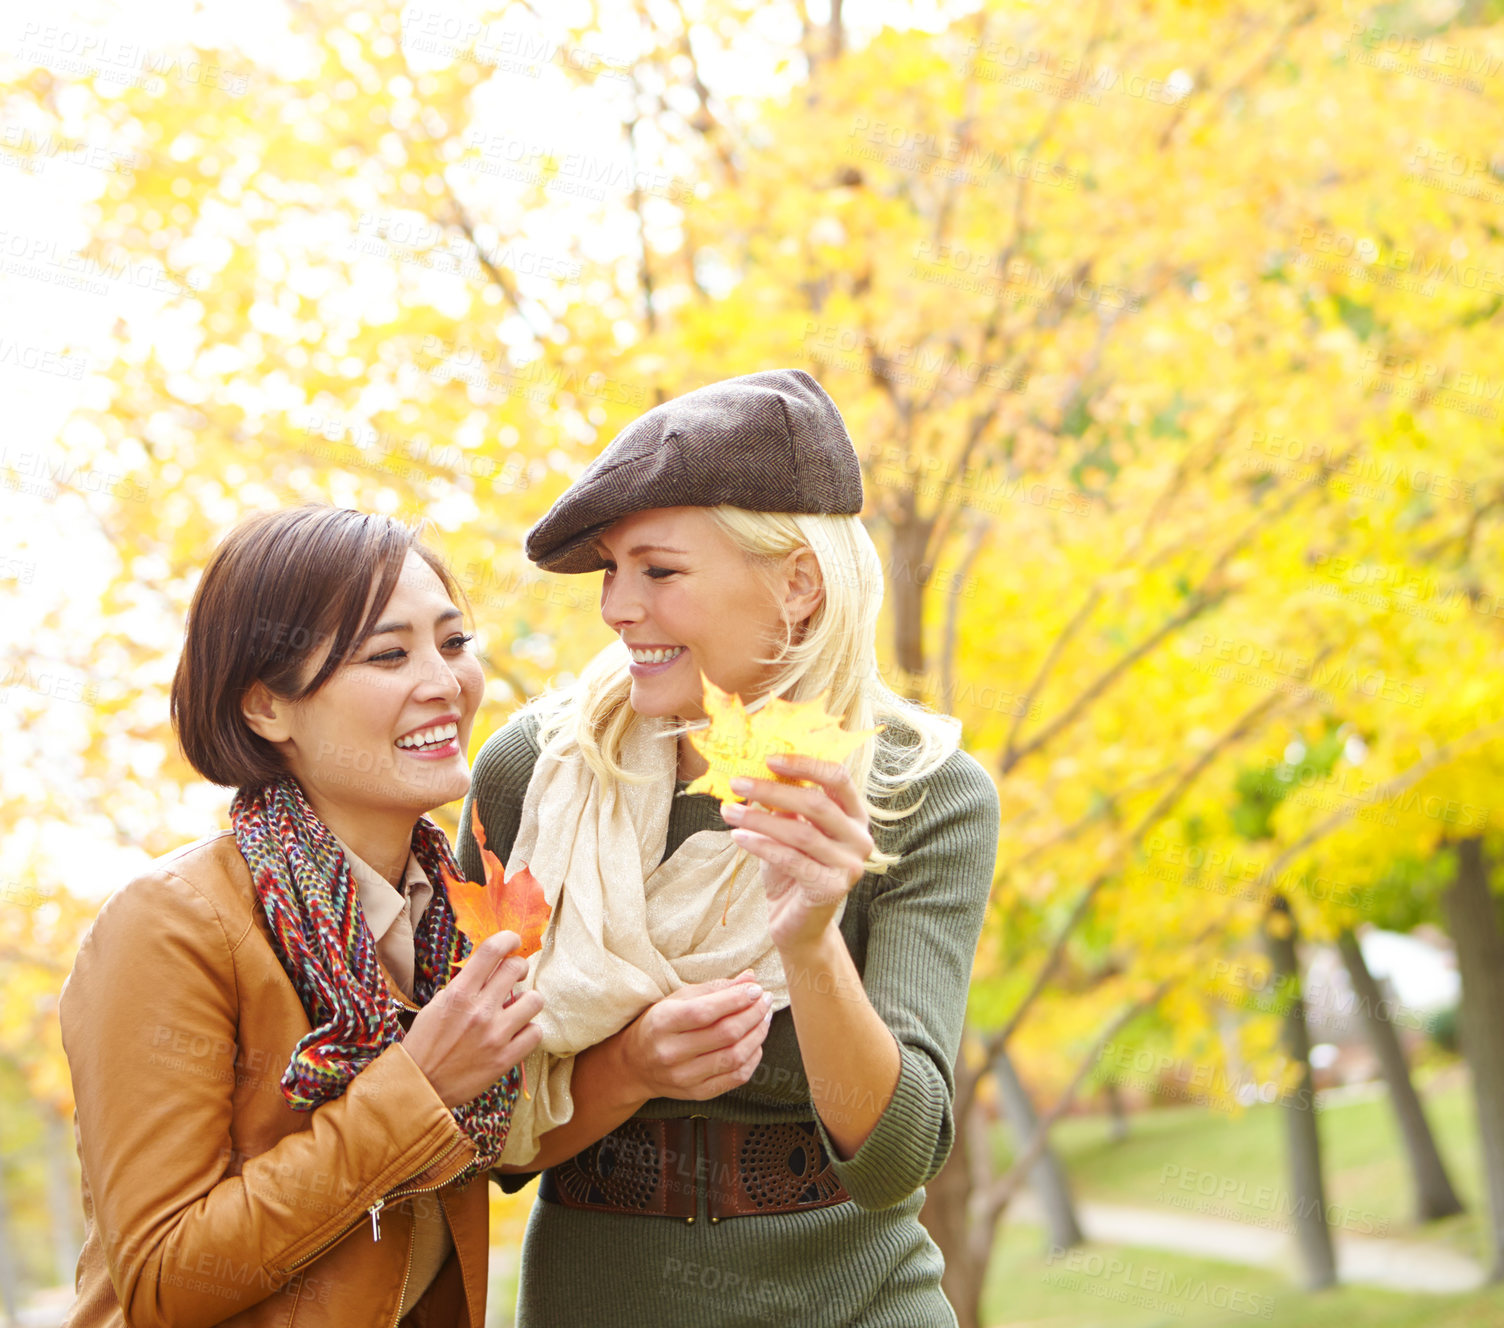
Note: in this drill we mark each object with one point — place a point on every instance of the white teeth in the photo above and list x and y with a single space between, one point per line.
440 733
654 656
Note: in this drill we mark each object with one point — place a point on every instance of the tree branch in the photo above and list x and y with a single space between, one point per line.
1200 599
1198 604
1244 725
1385 792
503 280
950 635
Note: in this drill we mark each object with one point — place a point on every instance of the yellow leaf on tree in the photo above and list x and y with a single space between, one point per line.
739 743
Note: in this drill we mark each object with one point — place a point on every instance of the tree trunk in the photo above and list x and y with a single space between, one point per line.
1116 1111
10 1290
946 1214
1434 1195
1302 1141
62 1195
1469 907
907 577
1047 1178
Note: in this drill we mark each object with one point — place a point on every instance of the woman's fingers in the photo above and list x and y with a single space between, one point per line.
470 1035
826 877
831 776
510 969
709 1031
712 1075
724 1032
814 805
481 997
801 837
526 1041
509 1018
683 1014
484 962
730 1055
820 821
691 990
507 974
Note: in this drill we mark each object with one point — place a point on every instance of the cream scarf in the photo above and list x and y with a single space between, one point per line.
627 928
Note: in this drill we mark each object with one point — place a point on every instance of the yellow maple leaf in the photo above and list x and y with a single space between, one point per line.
737 742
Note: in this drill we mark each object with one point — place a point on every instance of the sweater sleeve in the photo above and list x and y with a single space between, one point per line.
923 928
498 782
150 1025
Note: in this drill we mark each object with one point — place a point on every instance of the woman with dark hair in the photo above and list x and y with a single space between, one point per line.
286 1110
778 1176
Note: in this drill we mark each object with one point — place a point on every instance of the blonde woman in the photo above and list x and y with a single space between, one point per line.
751 1009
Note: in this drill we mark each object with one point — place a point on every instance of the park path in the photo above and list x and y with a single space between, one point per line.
1396 1265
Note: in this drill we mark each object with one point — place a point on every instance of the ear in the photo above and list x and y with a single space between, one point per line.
267 714
804 587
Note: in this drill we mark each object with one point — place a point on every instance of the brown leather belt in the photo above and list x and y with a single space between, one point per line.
655 1168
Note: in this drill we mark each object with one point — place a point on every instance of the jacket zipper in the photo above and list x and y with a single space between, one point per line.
375 1209
374 1212
314 1254
406 1274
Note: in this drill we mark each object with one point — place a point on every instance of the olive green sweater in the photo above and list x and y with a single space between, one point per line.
912 934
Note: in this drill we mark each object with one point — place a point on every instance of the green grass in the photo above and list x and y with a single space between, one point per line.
1366 1176
1233 1166
1152 1289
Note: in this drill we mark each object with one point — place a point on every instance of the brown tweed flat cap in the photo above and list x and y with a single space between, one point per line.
768 442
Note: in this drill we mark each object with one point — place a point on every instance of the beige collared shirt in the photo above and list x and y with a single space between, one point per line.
393 913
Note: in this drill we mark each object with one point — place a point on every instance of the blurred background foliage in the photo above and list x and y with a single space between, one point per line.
1168 332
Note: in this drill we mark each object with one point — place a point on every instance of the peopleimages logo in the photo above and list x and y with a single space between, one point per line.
1423 270
42 258
1429 57
1213 1195
38 359
89 51
583 173
905 361
953 264
29 151
1110 1277
1319 674
43 473
1349 469
949 156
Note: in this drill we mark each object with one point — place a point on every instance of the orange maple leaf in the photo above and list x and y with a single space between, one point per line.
503 903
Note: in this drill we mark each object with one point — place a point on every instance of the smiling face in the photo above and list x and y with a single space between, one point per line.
385 738
685 600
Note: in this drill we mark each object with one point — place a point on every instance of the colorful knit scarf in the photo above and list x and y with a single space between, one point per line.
320 934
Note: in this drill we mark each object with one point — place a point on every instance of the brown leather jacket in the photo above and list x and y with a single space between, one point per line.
207 1198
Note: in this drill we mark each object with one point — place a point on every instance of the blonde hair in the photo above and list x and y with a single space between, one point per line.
834 652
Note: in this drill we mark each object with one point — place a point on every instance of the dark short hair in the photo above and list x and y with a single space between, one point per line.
280 587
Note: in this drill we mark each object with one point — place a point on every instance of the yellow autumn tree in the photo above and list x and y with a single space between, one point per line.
1152 323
